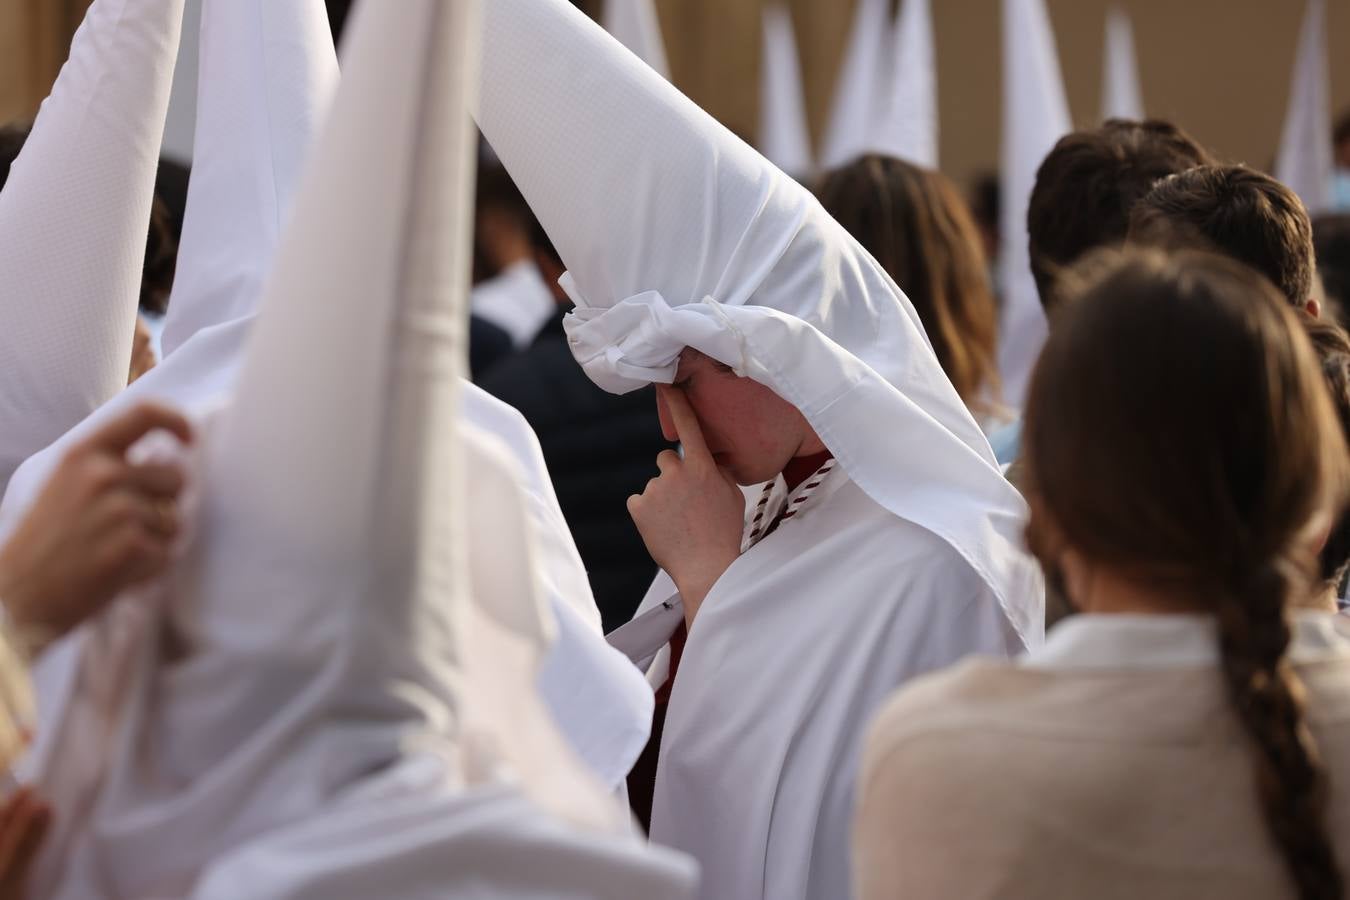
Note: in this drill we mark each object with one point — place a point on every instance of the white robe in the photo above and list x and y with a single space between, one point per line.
792 651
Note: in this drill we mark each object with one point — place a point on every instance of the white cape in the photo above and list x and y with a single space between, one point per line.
715 249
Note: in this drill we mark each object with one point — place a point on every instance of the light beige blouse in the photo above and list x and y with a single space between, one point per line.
1107 764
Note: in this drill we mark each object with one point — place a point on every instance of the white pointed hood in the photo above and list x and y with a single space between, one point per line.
268 73
638 27
784 135
257 114
908 127
322 617
860 94
716 249
1305 161
1122 98
1035 116
74 216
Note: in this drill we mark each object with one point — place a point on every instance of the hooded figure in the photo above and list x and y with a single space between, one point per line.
268 76
326 699
900 555
74 216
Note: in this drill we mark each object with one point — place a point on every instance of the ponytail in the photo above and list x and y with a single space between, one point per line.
1268 697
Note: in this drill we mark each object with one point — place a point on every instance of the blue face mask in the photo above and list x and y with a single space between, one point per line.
1340 191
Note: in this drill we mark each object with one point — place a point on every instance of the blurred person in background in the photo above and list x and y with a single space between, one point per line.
1188 734
918 228
1081 201
1237 212
599 446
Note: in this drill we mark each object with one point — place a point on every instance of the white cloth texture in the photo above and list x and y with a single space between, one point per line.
1305 161
908 126
1122 97
717 250
784 132
74 216
518 300
316 627
792 652
254 136
1035 116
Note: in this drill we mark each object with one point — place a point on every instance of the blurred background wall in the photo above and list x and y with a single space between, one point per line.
1219 67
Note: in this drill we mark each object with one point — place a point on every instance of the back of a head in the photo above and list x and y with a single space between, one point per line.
1238 212
1331 242
1087 185
914 222
1203 477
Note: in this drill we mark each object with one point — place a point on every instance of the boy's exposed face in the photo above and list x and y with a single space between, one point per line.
751 431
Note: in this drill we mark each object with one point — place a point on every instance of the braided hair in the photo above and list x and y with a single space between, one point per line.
1179 432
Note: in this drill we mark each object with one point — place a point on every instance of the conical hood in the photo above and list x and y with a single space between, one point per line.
909 128
715 248
1122 98
784 135
638 27
74 216
1305 161
1035 116
860 95
325 601
268 72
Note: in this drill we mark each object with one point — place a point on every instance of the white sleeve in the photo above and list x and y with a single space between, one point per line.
74 217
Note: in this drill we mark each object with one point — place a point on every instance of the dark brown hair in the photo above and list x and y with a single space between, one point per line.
1331 242
1238 212
1332 345
1199 474
1087 185
917 226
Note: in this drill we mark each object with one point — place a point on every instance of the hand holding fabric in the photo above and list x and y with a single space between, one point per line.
691 516
101 525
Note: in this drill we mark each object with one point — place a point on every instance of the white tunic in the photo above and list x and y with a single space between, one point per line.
791 653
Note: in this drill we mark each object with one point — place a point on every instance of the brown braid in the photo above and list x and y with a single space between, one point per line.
1199 480
1268 698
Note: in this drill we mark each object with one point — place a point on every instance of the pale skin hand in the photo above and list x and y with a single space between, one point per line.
691 515
100 526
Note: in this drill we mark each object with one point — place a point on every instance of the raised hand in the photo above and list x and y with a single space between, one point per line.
101 525
691 515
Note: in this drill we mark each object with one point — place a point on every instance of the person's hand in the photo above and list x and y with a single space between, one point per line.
24 820
692 515
100 526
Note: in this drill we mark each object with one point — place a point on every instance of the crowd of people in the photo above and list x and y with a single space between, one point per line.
630 519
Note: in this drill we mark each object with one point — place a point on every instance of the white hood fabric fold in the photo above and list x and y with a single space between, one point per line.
1035 116
716 249
908 128
1305 161
254 136
324 626
784 134
74 216
863 88
1122 97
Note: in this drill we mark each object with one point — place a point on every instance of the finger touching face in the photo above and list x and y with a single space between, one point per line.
741 424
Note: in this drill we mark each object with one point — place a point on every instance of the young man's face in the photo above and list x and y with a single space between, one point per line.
751 431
